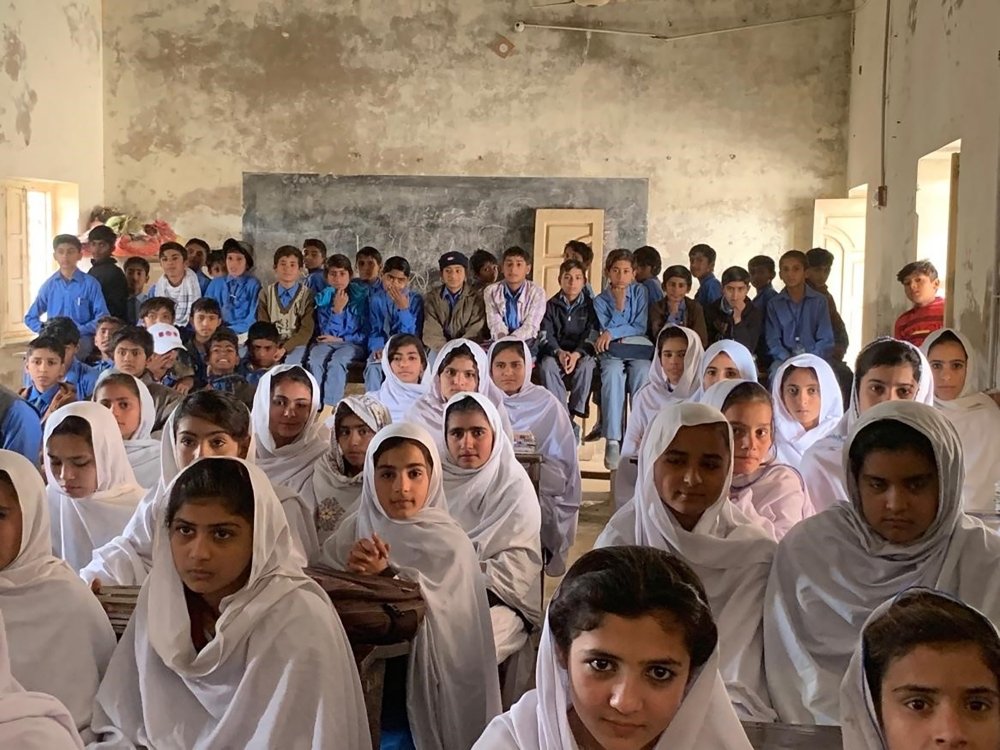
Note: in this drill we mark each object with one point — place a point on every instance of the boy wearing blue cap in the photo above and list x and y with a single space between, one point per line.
453 310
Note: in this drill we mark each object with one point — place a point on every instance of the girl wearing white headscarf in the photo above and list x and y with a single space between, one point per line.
630 583
822 465
124 395
974 415
92 494
533 409
728 551
61 639
495 504
337 479
833 570
395 394
452 685
724 360
269 665
791 437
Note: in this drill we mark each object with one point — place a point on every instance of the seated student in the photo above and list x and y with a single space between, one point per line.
807 406
206 319
368 261
314 261
239 291
886 370
515 306
485 269
132 406
681 505
701 259
903 526
336 481
341 330
490 496
170 364
533 409
406 375
623 351
264 351
583 254
178 282
288 303
103 357
60 638
222 367
973 414
157 310
629 658
44 365
20 426
453 310
733 316
137 276
69 292
103 267
197 253
762 273
251 636
647 272
676 308
724 360
394 308
133 349
402 526
566 350
798 321
216 266
91 487
925 673
81 376
921 283
768 492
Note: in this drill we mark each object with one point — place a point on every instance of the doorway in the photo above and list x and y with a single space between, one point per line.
937 215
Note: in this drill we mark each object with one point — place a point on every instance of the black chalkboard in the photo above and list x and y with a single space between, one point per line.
422 217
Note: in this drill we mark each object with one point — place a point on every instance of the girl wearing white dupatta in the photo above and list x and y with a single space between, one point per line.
230 644
132 405
902 527
452 684
628 659
60 637
405 375
682 505
724 360
808 405
91 488
491 497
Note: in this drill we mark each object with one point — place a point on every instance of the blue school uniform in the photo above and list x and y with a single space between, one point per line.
203 280
385 319
709 290
79 298
798 327
83 378
654 292
316 280
40 401
237 296
21 430
329 362
764 296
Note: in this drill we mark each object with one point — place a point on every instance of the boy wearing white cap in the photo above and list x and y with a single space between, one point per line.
170 364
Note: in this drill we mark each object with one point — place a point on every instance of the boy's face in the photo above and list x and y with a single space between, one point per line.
196 256
735 293
700 265
313 257
792 273
236 263
223 358
67 257
45 368
760 276
515 270
453 277
571 283
264 353
205 324
338 278
217 269
920 289
287 270
488 273
676 288
396 280
130 358
570 254
621 274
368 268
100 249
162 315
643 272
173 264
137 277
818 274
102 337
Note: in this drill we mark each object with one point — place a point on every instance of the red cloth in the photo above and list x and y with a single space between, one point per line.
917 323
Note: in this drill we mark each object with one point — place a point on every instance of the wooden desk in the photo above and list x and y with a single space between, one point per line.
790 737
371 668
532 463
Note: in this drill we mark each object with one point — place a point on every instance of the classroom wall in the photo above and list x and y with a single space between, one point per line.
737 133
944 80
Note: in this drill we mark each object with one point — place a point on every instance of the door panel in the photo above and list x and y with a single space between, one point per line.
839 226
554 227
14 264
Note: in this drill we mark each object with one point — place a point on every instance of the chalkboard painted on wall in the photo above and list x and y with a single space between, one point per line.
422 217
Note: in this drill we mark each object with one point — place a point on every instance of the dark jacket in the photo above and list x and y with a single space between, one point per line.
113 285
720 324
694 318
466 321
841 342
571 331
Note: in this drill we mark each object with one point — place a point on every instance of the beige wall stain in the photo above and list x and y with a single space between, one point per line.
14 53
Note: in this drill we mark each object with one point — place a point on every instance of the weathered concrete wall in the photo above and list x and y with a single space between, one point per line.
737 133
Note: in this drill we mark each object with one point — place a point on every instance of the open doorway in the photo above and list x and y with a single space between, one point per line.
937 213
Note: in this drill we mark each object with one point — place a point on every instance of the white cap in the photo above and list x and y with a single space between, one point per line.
166 338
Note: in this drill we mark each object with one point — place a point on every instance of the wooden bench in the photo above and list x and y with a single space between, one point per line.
792 737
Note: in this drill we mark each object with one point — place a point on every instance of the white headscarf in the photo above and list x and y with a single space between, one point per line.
396 395
428 410
815 611
81 526
279 654
791 439
740 355
533 409
976 418
142 449
452 689
822 465
337 493
61 639
730 554
497 507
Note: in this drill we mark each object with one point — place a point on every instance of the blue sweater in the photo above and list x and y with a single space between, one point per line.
631 321
385 319
79 298
796 328
237 296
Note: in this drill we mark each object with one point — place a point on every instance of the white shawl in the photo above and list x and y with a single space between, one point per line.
452 689
396 395
539 721
976 418
791 439
533 409
81 526
822 465
497 507
279 671
189 289
730 554
814 610
740 355
61 640
143 450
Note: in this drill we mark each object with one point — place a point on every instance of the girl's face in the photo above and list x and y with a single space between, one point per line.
72 460
353 436
11 525
800 394
672 355
690 474
940 696
627 679
752 438
291 410
197 438
948 368
124 405
675 288
459 375
406 364
470 438
508 371
720 368
899 494
236 263
886 383
212 549
402 480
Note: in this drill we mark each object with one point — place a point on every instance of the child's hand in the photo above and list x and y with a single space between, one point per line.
603 342
158 365
340 300
328 339
184 385
369 556
400 297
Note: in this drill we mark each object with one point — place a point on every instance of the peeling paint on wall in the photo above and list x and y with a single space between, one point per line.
14 52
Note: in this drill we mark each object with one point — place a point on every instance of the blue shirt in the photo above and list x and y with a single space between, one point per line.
764 296
39 400
680 317
385 319
316 280
203 280
347 324
79 298
709 290
286 296
798 327
84 378
237 296
511 318
21 431
631 321
450 297
654 292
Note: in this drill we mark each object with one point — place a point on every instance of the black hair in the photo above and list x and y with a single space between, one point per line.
508 346
338 261
224 335
215 257
632 582
225 481
456 353
395 442
288 251
206 305
619 255
233 245
572 264
118 378
886 352
762 260
66 239
400 340
517 252
200 243
173 246
6 479
734 275
467 405
670 332
794 255
924 267
102 233
369 252
295 374
793 369
648 256
155 304
318 244
397 263
53 344
480 258
707 251
582 249
748 393
74 425
221 409
888 435
133 335
263 329
678 272
947 337
62 328
819 257
135 260
108 319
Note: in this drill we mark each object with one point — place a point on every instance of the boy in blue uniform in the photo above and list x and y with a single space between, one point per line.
197 252
81 376
264 351
798 318
647 272
392 309
44 365
20 427
314 259
702 261
103 357
223 362
238 292
206 319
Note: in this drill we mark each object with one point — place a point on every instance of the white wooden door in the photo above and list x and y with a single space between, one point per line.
14 265
839 226
554 227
